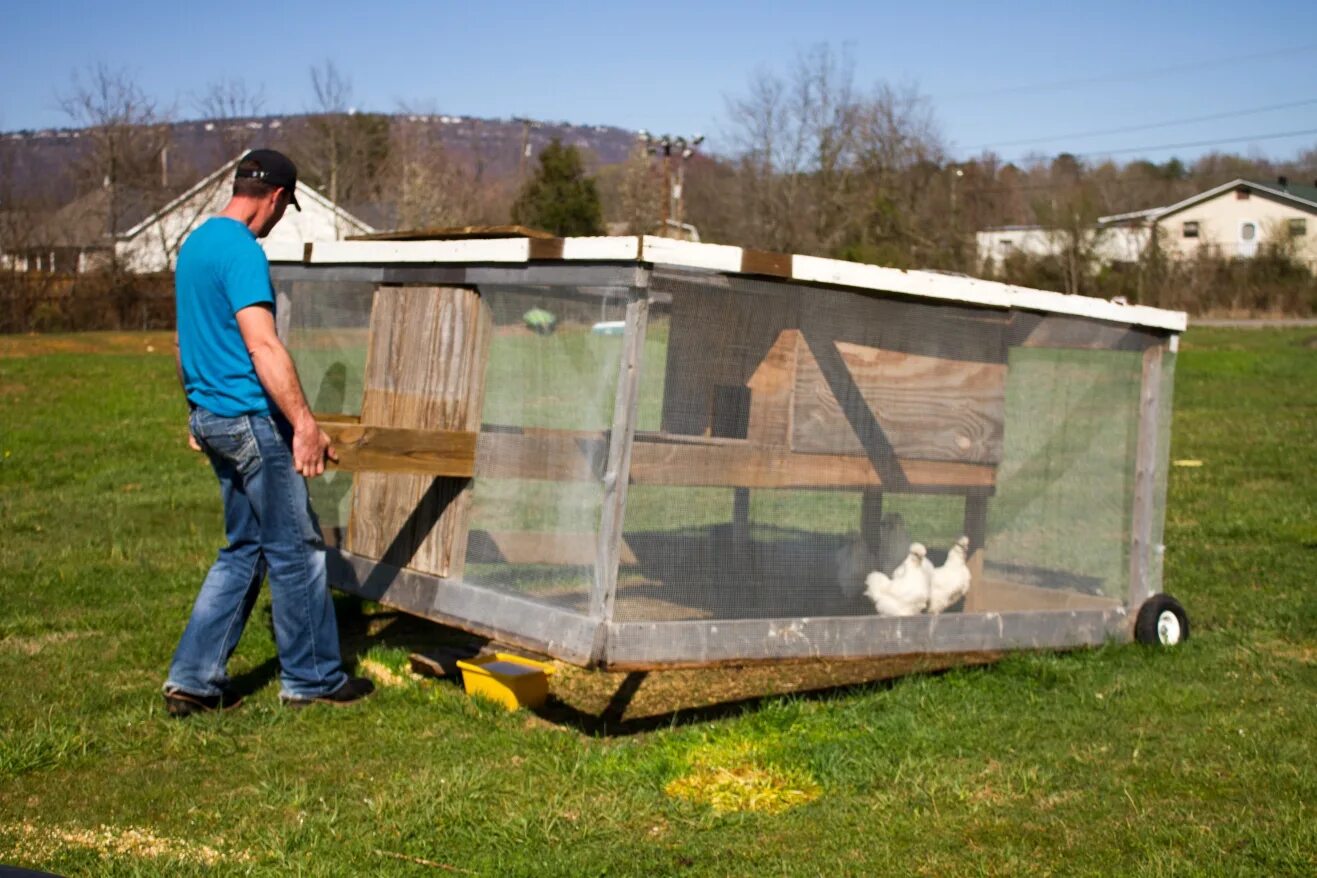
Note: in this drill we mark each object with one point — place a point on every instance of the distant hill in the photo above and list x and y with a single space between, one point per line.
37 164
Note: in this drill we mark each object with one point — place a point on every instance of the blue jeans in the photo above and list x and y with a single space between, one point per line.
270 529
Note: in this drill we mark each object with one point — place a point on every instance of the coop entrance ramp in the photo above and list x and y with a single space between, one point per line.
717 482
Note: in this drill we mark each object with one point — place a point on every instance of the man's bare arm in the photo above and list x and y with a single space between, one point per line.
278 375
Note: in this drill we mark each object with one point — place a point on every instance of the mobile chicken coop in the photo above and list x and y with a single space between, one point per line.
638 453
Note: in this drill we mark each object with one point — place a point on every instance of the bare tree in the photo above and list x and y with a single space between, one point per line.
1070 213
632 192
230 104
127 135
826 169
902 178
795 138
432 188
340 151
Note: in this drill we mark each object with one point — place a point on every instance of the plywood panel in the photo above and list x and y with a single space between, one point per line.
917 407
771 387
425 370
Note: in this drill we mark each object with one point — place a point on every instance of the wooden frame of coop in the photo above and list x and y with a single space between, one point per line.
804 405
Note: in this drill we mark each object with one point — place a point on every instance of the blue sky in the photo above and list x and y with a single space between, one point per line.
996 73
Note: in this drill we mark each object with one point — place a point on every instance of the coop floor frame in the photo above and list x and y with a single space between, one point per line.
592 636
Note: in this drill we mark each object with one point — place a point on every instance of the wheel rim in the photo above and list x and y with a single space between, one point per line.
1168 628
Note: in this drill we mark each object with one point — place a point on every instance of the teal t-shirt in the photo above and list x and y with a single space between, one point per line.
221 270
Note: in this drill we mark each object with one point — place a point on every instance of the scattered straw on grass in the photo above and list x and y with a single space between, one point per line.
1296 652
30 646
735 779
37 843
384 675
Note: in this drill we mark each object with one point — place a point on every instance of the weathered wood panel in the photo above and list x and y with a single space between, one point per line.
926 408
363 448
717 337
743 465
425 370
688 461
771 387
545 455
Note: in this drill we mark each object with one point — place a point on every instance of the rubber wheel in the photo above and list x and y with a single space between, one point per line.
1162 621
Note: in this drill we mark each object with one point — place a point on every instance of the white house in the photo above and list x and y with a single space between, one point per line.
1233 220
1115 239
152 244
82 235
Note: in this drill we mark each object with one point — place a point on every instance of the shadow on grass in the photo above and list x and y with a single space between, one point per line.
602 703
612 721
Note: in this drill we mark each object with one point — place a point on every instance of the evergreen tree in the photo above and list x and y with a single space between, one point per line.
560 198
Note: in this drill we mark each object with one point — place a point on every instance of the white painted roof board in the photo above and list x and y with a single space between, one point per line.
724 258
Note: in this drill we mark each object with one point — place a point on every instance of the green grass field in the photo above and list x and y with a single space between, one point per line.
1116 761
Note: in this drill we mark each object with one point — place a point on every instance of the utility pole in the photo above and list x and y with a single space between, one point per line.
687 151
525 148
673 205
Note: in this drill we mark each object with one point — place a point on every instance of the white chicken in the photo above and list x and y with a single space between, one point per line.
905 592
950 582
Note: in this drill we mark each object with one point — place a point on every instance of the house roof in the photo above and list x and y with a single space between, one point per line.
96 217
305 195
1133 217
85 221
1296 195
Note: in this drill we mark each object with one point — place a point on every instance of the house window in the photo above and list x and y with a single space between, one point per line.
1298 227
1191 229
1241 195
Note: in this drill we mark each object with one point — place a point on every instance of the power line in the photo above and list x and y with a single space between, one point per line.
1197 143
1155 147
1168 124
1129 76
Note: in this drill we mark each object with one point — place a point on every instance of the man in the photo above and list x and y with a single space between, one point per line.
250 416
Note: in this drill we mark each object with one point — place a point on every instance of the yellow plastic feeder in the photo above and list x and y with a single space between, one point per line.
508 679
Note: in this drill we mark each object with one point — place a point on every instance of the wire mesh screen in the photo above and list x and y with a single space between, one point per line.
804 440
325 326
1059 524
550 385
800 453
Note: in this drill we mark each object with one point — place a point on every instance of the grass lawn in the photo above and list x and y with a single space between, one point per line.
1115 761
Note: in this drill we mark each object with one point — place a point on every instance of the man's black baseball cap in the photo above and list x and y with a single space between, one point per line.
274 168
